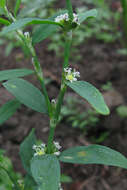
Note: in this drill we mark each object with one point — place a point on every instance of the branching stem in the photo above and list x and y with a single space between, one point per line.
36 63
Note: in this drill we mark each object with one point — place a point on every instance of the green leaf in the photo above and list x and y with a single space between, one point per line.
2 11
2 3
65 179
26 151
46 30
14 73
4 21
69 8
9 177
88 14
27 94
93 154
91 94
46 171
27 21
17 6
29 183
8 109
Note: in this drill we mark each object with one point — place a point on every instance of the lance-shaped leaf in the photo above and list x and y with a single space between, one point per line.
46 30
26 151
17 6
14 73
46 171
27 94
4 21
88 14
94 154
29 183
8 109
91 94
5 174
27 21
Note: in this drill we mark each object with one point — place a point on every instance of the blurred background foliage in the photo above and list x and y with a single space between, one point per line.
104 28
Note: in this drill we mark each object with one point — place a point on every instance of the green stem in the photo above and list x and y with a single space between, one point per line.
55 119
60 101
53 124
36 63
40 77
68 42
39 74
70 9
9 15
38 71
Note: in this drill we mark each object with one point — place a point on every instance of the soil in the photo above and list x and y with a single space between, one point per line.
100 63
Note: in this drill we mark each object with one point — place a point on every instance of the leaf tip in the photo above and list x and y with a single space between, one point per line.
106 111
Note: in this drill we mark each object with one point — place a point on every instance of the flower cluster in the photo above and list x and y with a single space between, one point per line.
21 183
57 148
65 17
75 19
41 149
71 75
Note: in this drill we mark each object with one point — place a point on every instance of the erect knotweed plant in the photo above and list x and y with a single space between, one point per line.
42 161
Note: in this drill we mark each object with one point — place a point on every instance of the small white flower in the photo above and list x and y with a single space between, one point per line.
27 34
76 73
65 17
39 149
57 153
57 145
60 188
53 101
32 60
34 147
43 145
21 184
71 75
75 19
68 70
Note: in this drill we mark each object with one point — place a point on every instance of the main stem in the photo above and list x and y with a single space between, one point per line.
70 9
55 119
